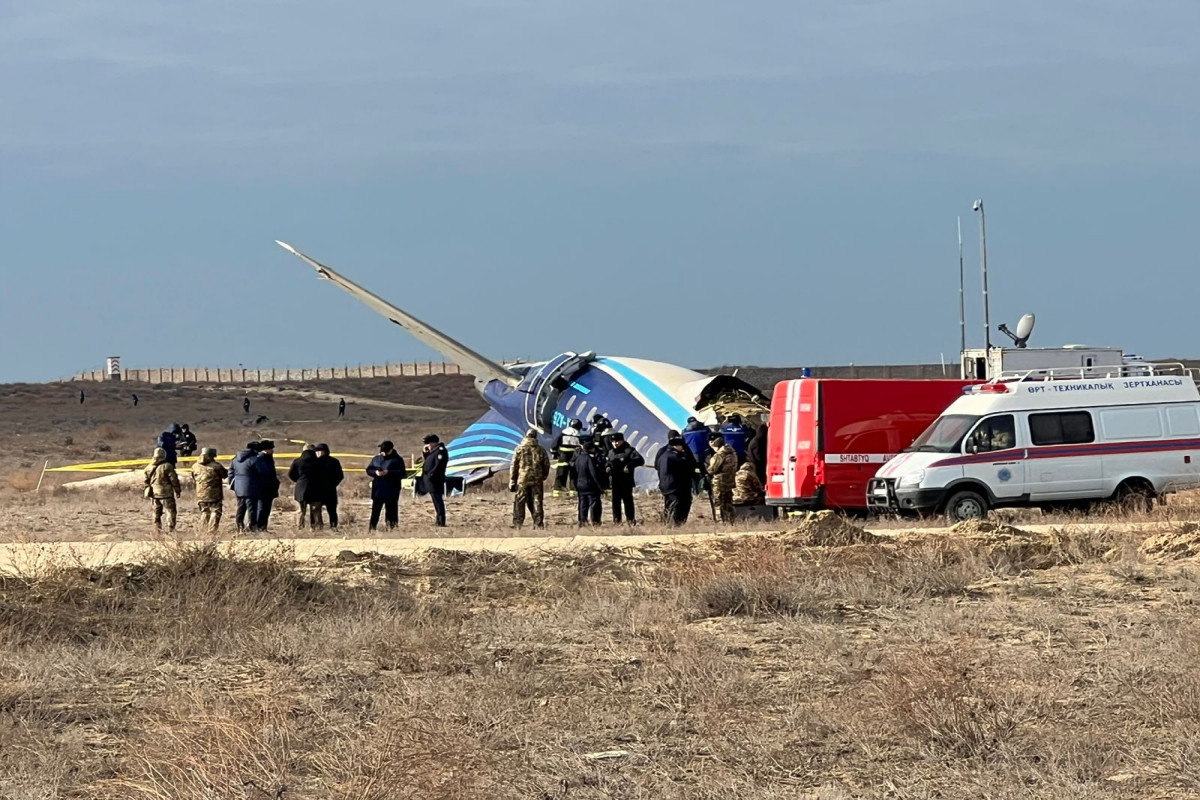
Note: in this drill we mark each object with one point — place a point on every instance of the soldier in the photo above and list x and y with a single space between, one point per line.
433 476
210 478
268 484
245 482
591 480
388 470
747 488
162 487
186 441
527 477
722 466
622 461
301 474
564 451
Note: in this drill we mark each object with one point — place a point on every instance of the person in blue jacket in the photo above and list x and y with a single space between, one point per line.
695 436
244 480
387 470
736 435
168 440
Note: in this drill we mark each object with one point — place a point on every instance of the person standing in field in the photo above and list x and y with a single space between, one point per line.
81 397
186 441
168 440
591 481
302 474
246 404
387 471
433 476
342 407
676 467
268 484
162 487
723 466
527 478
135 400
623 459
327 474
210 489
244 480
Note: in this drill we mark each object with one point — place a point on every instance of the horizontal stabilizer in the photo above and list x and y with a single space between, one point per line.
483 448
452 350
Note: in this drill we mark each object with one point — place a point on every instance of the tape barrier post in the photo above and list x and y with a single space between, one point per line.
41 477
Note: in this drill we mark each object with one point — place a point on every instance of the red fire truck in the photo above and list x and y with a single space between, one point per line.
828 436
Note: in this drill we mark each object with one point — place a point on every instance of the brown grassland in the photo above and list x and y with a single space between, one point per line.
819 663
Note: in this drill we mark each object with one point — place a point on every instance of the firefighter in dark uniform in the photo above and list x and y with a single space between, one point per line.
565 447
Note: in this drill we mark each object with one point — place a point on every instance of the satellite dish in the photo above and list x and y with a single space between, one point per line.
1024 330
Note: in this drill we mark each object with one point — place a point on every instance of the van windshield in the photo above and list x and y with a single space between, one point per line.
944 435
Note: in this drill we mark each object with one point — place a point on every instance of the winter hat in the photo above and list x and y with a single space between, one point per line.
385 446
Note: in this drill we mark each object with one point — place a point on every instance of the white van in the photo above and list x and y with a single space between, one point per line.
1051 438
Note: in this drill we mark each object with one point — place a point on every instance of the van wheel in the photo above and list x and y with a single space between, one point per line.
1134 496
966 505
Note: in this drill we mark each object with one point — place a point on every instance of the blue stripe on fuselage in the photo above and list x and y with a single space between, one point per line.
668 405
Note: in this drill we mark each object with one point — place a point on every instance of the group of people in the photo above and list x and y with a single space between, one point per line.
177 440
726 463
316 475
730 462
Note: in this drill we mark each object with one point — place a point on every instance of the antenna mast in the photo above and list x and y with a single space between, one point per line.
962 309
987 322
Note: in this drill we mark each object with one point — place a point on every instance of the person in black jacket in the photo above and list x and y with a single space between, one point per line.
756 452
388 470
302 473
186 441
326 476
590 481
268 485
622 461
168 441
433 476
676 466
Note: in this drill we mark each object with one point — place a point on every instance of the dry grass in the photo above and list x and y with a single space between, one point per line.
759 668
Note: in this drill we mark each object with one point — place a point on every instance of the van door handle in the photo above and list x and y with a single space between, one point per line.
1003 463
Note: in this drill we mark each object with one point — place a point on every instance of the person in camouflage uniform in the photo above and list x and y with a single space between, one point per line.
722 466
748 489
162 487
210 488
527 477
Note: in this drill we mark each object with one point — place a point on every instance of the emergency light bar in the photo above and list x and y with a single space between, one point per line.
990 388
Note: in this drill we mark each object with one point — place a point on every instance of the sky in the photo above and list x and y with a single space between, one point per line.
704 183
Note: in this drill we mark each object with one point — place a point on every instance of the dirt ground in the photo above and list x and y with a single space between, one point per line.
812 660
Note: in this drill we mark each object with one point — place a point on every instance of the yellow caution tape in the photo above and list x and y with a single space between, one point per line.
133 464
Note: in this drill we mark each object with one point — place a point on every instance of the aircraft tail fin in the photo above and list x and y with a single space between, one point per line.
480 366
483 448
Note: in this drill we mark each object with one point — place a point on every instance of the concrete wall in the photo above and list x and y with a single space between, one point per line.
247 375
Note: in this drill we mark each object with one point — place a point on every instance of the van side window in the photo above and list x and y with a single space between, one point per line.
1065 427
994 433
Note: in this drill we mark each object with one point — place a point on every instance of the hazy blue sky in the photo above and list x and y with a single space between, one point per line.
770 182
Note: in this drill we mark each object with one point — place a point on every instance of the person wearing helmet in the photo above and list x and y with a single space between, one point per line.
565 447
602 431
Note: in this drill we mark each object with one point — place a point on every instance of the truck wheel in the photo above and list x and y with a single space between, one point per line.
1134 496
966 505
